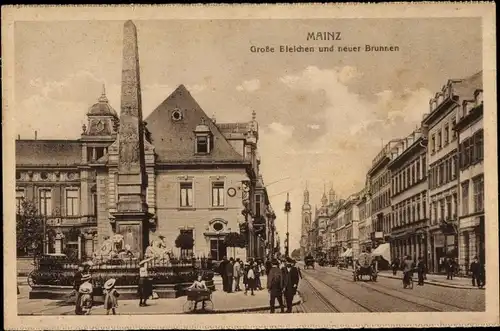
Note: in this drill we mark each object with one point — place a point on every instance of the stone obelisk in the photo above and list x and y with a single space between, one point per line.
131 216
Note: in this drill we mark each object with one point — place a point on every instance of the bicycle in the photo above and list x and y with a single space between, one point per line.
409 281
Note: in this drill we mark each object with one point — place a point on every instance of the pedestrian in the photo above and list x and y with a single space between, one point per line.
296 270
85 299
450 269
251 278
245 269
145 286
237 274
269 265
474 270
395 265
408 266
258 285
229 275
111 296
290 284
275 286
222 272
77 281
421 270
482 274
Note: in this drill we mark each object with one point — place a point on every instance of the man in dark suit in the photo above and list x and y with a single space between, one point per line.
222 272
229 275
290 284
275 286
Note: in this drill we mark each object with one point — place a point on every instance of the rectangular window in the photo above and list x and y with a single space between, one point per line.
217 194
439 140
479 145
257 205
418 210
186 197
45 200
19 200
202 144
424 166
434 212
478 186
454 167
465 198
441 209
187 252
453 132
93 203
471 151
448 208
433 143
418 170
455 205
446 134
413 178
72 202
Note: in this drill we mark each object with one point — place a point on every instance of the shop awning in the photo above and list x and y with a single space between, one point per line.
383 250
347 253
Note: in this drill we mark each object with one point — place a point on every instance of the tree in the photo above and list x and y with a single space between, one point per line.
185 241
29 229
295 254
235 239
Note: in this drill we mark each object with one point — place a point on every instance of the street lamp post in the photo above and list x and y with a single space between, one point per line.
288 208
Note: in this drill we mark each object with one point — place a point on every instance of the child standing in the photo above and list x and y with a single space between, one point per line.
111 296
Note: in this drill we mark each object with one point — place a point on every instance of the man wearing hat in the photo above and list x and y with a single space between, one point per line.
290 284
474 270
111 297
275 286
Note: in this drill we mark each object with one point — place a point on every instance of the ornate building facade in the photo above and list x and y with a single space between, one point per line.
178 171
409 197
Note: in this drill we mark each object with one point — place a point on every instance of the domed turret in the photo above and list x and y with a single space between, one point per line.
102 107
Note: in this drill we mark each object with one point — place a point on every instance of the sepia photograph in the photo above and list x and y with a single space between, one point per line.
216 167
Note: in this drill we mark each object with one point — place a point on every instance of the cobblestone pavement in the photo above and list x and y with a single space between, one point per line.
326 289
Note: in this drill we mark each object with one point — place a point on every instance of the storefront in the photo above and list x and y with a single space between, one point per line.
443 246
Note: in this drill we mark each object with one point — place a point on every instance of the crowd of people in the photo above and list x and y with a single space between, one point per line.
408 266
282 279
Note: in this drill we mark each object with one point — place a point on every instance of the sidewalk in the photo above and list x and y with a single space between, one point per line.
432 279
223 302
436 279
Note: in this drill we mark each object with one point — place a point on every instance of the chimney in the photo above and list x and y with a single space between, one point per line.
18 137
35 134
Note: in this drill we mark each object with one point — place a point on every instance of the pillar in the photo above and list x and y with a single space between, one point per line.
79 240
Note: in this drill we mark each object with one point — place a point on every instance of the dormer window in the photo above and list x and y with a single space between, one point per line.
203 138
201 144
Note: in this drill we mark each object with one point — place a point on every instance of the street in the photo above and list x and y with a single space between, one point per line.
327 289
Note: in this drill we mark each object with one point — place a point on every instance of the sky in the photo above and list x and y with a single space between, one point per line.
322 117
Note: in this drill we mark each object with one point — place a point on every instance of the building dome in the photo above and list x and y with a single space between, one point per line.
102 107
202 127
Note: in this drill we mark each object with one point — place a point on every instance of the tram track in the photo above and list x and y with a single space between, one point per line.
321 298
367 286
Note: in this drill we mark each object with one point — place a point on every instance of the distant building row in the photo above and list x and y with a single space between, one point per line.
424 194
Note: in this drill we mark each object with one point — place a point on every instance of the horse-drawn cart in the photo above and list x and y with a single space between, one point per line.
309 262
364 266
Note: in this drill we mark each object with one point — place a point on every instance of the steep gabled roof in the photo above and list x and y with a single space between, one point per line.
465 88
48 152
174 141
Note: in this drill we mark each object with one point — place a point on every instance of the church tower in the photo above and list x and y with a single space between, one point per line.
306 222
